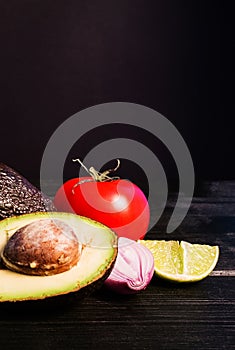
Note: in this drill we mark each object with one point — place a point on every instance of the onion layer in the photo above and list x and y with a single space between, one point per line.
133 269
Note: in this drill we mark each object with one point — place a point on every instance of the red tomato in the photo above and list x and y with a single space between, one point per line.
119 204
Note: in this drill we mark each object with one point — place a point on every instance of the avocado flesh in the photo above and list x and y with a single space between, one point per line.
97 259
18 196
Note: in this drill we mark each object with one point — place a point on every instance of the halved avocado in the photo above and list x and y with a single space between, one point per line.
97 259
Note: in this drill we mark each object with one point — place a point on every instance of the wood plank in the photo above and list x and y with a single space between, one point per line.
168 316
206 209
215 189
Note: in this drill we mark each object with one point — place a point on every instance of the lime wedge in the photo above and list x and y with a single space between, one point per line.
182 262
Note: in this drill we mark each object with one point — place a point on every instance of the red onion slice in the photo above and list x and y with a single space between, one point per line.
133 269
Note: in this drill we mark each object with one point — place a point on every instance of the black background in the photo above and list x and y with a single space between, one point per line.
59 57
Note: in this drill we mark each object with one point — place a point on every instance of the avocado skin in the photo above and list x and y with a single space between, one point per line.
18 196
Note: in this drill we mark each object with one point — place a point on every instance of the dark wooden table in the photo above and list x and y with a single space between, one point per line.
165 316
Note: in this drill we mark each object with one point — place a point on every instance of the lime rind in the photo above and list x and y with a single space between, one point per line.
199 260
182 262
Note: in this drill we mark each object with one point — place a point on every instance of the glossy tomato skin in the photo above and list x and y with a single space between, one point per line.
119 204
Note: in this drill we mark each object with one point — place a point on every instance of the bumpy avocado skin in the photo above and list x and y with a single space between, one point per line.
18 196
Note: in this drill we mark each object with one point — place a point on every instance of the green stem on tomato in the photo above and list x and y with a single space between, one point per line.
96 175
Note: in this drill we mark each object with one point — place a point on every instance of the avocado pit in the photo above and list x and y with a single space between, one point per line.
44 247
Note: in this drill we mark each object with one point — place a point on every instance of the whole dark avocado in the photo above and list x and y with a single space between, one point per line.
18 196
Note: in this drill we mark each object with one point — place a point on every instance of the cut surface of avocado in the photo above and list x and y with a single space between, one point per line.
97 259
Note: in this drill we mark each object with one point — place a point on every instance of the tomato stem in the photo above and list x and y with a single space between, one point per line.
96 175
